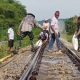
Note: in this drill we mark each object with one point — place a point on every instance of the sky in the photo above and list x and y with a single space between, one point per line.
44 9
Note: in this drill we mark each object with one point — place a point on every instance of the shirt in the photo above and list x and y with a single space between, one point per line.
11 33
27 23
54 24
43 36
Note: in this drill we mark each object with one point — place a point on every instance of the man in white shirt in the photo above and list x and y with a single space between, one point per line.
10 38
46 27
54 31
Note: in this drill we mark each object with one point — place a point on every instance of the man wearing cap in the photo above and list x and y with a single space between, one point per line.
26 26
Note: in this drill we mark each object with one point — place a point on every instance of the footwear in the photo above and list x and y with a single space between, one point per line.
15 52
50 50
32 49
60 51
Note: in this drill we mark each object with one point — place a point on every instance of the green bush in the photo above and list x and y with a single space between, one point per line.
70 26
11 12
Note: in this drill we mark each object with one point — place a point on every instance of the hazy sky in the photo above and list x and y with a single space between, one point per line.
44 9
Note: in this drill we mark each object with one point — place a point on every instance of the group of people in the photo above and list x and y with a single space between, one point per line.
50 32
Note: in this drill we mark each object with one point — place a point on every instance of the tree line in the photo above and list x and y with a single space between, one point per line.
11 12
70 25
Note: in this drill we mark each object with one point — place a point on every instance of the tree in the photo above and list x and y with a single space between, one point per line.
70 25
11 12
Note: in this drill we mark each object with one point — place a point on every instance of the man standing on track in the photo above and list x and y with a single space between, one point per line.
55 35
26 26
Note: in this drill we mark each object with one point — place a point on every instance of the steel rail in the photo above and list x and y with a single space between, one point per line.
34 66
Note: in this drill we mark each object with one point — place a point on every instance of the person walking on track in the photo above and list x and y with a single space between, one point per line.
26 26
55 35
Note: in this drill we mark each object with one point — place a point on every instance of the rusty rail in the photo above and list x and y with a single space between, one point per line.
33 68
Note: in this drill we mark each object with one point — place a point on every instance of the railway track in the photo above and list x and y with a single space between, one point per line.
33 68
63 65
43 65
13 68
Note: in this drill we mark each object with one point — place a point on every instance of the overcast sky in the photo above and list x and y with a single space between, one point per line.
44 9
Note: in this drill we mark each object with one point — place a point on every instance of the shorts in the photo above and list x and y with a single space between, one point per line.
27 33
10 43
